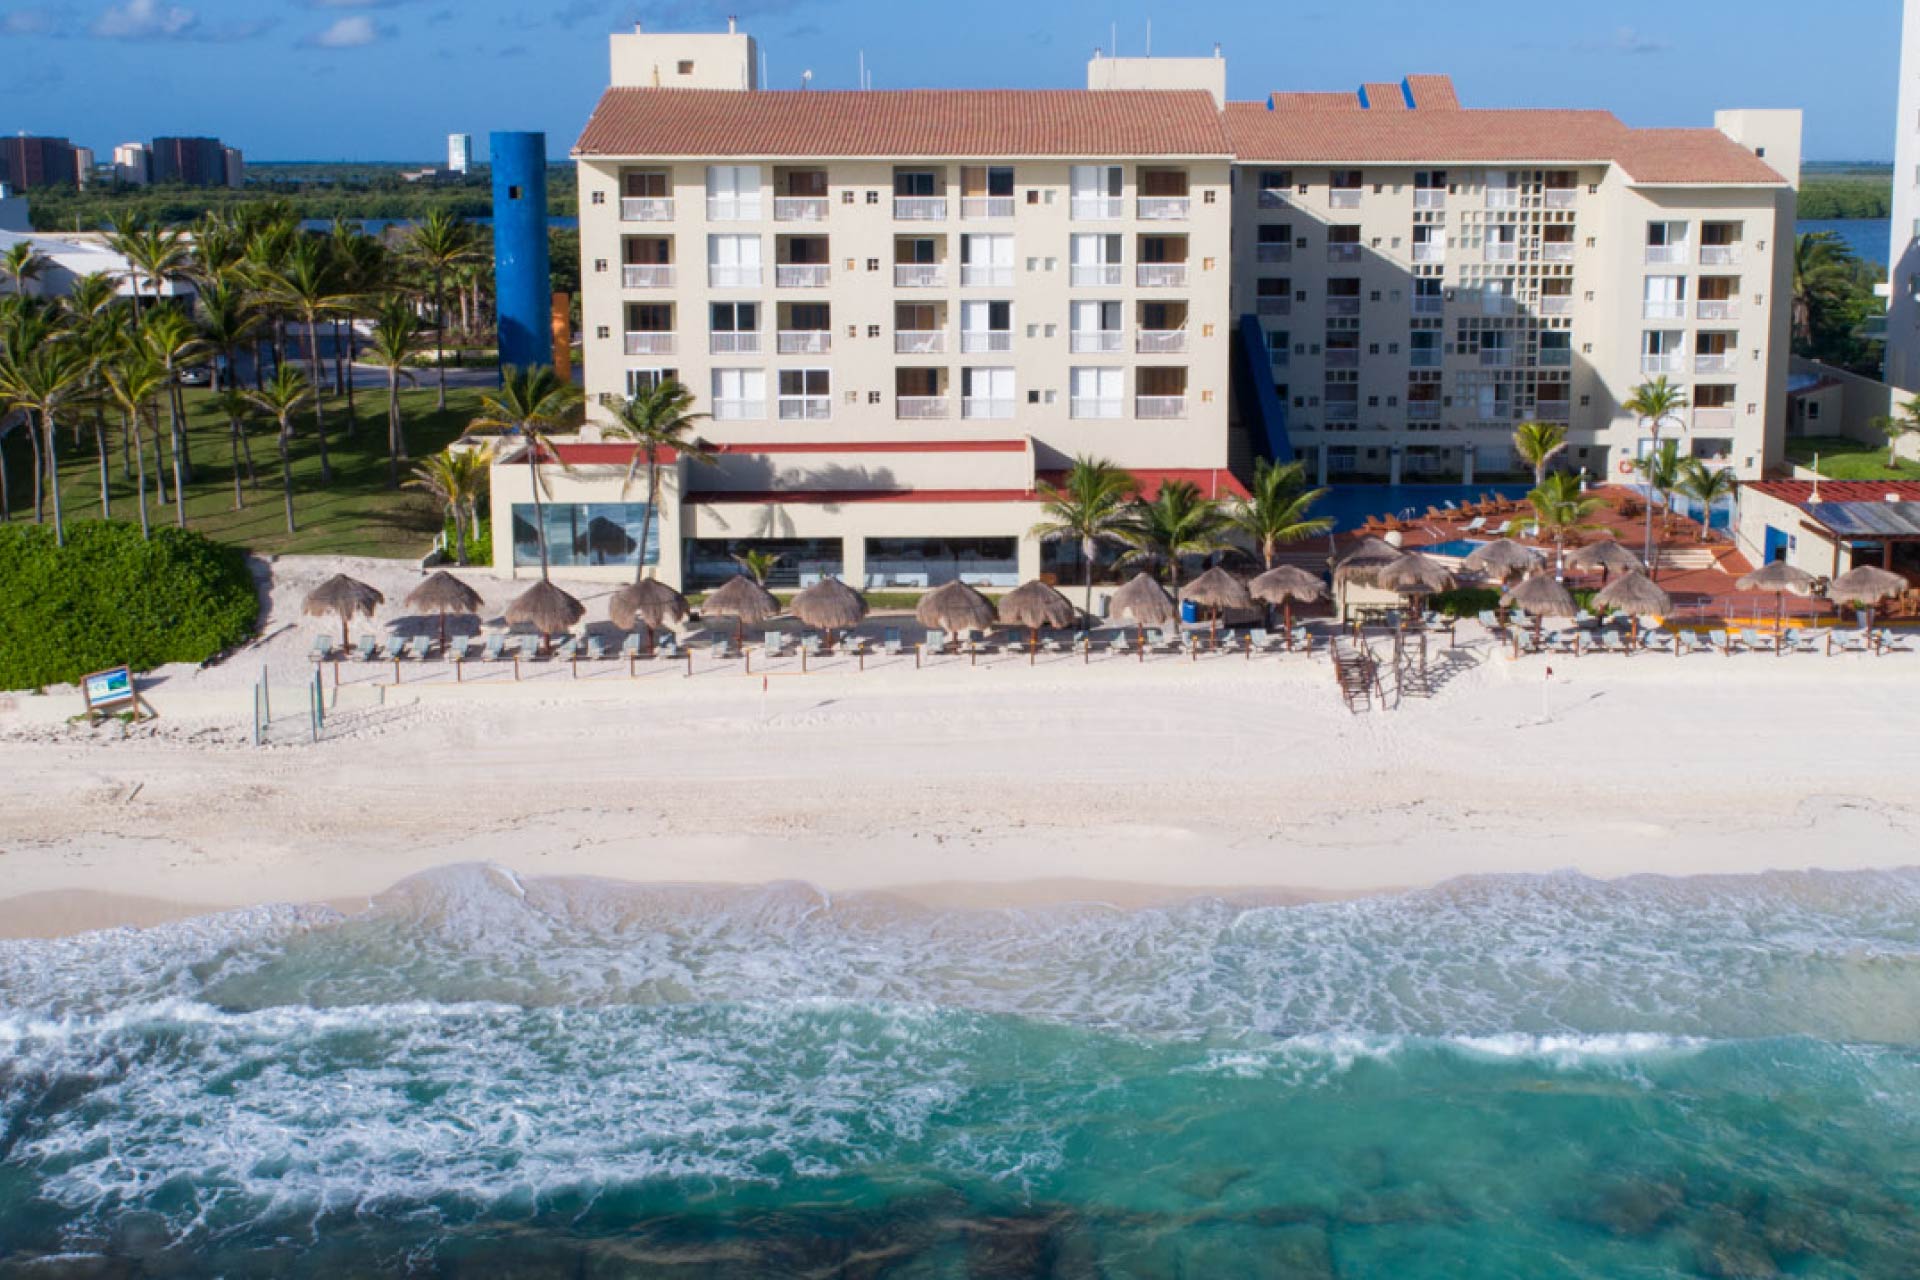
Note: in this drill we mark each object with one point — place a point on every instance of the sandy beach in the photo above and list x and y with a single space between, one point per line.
961 784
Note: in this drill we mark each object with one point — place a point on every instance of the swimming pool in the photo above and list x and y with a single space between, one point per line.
1459 548
1350 505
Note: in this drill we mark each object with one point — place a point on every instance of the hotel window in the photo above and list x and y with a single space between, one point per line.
806 394
733 262
739 395
1098 393
733 192
986 393
1096 191
583 533
1503 189
986 260
641 381
1096 261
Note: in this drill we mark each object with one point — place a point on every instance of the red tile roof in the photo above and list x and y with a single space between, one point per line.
1800 492
986 123
1384 96
841 497
1433 93
1285 101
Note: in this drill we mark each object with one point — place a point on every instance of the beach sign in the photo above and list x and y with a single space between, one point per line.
108 691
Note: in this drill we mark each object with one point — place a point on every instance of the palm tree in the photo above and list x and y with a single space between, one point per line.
21 263
1537 444
532 405
1662 471
156 255
44 381
1561 509
365 272
1653 403
758 564
1091 507
234 405
1822 268
660 418
441 243
228 322
308 284
1898 424
1275 512
456 478
135 379
1708 486
396 341
281 399
1178 522
176 344
90 295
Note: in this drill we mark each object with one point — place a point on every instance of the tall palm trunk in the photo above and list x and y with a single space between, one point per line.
540 519
1089 548
646 521
348 375
179 485
233 445
39 476
286 474
100 447
6 484
126 446
177 428
393 427
140 463
53 474
440 336
319 415
460 535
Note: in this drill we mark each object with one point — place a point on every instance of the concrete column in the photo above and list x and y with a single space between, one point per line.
1393 464
1320 461
853 561
1466 464
1028 554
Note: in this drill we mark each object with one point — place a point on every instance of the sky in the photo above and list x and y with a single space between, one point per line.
389 79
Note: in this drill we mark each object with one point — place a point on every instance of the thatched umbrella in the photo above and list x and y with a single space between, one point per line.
442 593
831 605
1368 556
650 603
547 609
1035 605
1542 596
1414 575
955 607
1778 577
1285 585
1634 593
1503 560
1217 589
1868 585
743 600
1145 601
1606 556
345 597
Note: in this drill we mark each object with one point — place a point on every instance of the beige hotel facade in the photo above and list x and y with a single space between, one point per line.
907 311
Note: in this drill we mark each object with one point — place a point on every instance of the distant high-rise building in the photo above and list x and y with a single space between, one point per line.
1903 275
133 164
459 152
83 165
189 162
28 162
236 167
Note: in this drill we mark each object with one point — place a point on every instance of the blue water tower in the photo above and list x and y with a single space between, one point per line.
522 279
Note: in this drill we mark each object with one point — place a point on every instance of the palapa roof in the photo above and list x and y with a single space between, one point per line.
1036 605
1777 577
1369 555
1605 554
1217 589
955 606
1633 592
830 605
342 596
1413 574
1287 583
742 599
1542 594
649 600
1503 559
443 593
1145 601
545 608
1868 584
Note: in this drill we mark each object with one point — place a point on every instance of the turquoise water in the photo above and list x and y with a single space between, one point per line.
1500 1077
1350 504
1460 547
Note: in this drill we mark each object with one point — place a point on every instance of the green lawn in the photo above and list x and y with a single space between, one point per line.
357 514
1845 459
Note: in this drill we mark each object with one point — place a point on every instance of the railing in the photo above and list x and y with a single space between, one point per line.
739 410
733 277
1719 309
1087 407
1664 309
1429 252
1274 306
1661 364
805 342
1502 252
986 206
649 344
1426 358
733 208
1560 197
800 209
1343 253
1342 411
1552 410
1098 275
1557 251
1344 198
1160 341
976 407
1713 419
920 208
1666 254
1424 306
1159 407
801 275
919 342
976 341
1503 197
1165 208
1098 208
1429 198
1716 362
1495 357
1719 255
1343 358
647 276
1344 307
1557 304
1423 411
1276 197
809 408
1096 341
1273 252
919 275
646 209
1556 357
974 275
1162 275
920 408
734 342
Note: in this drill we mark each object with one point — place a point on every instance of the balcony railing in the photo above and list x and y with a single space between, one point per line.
1342 411
979 341
1666 254
1429 251
919 275
1343 253
1662 363
800 209
1344 198
1429 198
801 275
1162 275
1556 357
1719 255
1719 308
805 342
1098 275
1273 252
739 410
980 407
1560 197
1274 306
1165 208
920 208
647 276
1556 304
1422 306
1502 252
744 342
1097 341
1664 309
974 275
1098 208
1090 407
1159 407
1276 197
1713 419
986 206
733 208
1423 411
1556 251
1151 342
807 408
733 277
1716 362
1426 357
1343 358
649 344
920 408
1503 198
1552 410
1343 307
646 209
919 342
1495 357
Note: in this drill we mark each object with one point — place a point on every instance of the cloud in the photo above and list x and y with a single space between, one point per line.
29 22
348 33
1627 40
146 20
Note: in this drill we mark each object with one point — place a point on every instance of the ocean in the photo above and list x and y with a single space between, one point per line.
1521 1076
1869 238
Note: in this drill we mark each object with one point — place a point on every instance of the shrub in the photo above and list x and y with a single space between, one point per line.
1466 602
479 542
110 597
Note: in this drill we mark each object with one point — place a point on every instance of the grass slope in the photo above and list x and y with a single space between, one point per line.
1846 459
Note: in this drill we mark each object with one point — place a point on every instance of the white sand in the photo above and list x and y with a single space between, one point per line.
955 783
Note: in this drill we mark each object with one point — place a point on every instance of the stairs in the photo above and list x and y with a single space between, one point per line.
1686 559
1357 674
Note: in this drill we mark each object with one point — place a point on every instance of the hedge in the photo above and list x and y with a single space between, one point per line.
110 597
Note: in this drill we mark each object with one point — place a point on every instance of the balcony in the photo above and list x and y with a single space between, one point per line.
1422 306
975 275
1666 255
1429 198
745 342
1560 197
646 209
920 408
739 410
1426 358
1279 357
1344 198
1556 251
1556 357
1503 198
1423 411
801 275
920 208
1343 253
1159 342
1162 275
975 207
1097 341
1087 407
1498 251
1556 304
1098 275
1273 253
1099 208
985 341
800 209
1344 308
1553 410
1342 412
1719 309
649 344
1662 363
978 407
920 275
919 342
733 208
1274 306
1159 408
1716 362
1719 255
1664 309
1713 419
1343 358
733 277
806 408
1275 197
805 342
1165 208
1429 251
647 276
1496 357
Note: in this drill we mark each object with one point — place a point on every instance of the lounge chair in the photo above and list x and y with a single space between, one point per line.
1475 525
1886 640
596 649
1697 643
568 649
322 650
667 645
1654 640
853 644
530 647
1806 641
890 642
1258 638
1849 640
1491 621
812 645
420 648
936 642
1757 642
1722 641
1504 530
457 649
496 647
368 648
630 647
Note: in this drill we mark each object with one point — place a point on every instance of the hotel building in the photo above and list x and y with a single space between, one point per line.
907 311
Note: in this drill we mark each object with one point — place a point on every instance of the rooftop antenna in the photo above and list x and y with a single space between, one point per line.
806 79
